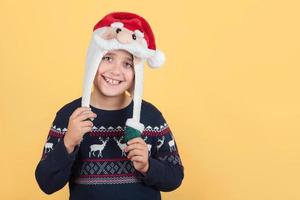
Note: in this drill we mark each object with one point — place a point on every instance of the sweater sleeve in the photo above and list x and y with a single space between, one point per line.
54 169
166 171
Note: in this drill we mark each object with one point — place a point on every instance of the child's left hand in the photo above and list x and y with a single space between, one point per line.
138 154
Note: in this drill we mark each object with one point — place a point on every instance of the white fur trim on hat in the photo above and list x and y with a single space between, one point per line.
109 45
117 25
94 56
135 124
138 90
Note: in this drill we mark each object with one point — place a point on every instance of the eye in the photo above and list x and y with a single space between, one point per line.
134 36
128 65
118 30
107 58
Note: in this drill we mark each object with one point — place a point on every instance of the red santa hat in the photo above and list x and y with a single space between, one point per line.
130 32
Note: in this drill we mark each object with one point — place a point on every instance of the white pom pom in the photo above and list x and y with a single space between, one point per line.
157 59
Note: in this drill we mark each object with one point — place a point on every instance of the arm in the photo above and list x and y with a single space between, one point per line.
165 171
61 148
54 170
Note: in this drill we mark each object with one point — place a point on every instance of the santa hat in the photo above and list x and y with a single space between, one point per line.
130 32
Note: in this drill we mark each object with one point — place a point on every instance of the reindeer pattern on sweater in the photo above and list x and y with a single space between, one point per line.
100 158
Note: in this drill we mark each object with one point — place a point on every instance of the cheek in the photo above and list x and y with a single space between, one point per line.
101 68
98 74
99 71
130 76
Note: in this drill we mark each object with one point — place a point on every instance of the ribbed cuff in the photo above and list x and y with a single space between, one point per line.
61 156
155 170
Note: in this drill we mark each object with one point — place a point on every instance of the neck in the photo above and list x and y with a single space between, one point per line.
109 103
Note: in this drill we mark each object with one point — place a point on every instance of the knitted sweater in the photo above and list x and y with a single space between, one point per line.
99 168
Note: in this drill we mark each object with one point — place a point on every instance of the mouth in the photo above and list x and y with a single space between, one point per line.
111 81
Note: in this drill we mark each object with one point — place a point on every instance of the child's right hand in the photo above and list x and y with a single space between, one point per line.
77 127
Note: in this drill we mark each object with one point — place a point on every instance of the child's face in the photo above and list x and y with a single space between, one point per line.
115 74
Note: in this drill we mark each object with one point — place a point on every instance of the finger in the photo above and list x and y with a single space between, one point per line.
79 110
85 130
136 152
86 115
136 140
86 124
135 146
139 159
87 111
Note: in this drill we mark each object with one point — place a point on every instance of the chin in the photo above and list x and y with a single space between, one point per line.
109 93
112 94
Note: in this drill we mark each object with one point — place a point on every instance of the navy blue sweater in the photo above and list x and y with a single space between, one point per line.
99 168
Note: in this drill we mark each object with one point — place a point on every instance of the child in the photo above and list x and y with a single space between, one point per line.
108 144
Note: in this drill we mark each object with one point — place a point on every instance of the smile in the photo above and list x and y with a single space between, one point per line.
111 81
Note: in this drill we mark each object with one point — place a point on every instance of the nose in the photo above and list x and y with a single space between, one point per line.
124 37
116 68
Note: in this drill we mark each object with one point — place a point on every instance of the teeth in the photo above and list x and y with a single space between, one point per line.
111 81
115 82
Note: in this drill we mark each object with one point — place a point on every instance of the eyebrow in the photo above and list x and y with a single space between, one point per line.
130 58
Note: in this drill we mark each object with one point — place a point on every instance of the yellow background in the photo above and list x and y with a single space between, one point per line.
229 89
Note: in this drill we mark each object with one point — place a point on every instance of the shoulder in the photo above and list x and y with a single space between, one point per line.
150 114
149 108
63 114
69 108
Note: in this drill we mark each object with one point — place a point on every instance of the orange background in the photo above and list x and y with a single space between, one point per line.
229 89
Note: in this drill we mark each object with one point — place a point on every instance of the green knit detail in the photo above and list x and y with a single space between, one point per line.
131 133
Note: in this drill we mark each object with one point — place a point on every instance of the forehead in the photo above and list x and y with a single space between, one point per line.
121 53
